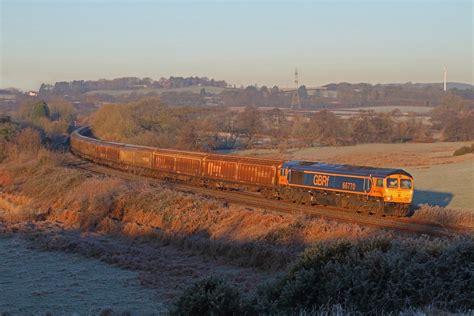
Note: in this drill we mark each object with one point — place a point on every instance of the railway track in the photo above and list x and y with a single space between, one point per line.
255 200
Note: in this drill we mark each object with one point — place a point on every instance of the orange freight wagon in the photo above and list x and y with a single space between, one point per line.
180 162
253 171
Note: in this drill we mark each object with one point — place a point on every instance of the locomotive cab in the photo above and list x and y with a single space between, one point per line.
398 188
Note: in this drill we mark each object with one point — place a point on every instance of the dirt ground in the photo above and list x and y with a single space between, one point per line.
440 178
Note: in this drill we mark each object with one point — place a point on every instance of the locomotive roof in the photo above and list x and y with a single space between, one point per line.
342 169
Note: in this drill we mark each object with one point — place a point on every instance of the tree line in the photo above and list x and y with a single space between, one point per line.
152 123
330 95
125 83
51 119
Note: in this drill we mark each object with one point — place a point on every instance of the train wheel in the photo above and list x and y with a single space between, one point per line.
344 202
403 210
380 208
367 209
307 199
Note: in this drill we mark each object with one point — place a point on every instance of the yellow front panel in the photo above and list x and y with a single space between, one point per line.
399 195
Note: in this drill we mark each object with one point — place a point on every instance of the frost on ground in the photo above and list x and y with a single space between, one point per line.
62 269
170 239
448 185
33 282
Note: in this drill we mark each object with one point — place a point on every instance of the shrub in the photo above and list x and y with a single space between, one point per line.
209 296
371 276
377 276
8 131
39 110
464 150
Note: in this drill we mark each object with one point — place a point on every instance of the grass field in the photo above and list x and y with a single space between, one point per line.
386 109
37 283
450 185
440 178
192 89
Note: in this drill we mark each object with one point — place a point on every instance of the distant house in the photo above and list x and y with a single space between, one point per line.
323 92
32 93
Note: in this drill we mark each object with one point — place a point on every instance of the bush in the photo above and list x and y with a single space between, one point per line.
8 131
208 297
377 276
372 276
464 150
39 110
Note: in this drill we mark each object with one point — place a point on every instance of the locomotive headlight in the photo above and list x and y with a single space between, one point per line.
389 198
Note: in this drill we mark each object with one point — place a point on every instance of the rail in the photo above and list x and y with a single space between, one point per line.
254 200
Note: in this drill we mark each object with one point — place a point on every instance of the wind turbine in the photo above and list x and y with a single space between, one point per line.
445 76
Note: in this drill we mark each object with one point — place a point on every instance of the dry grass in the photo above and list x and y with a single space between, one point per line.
90 215
244 236
445 216
44 189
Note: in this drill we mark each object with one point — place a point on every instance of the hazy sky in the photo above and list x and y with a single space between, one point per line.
240 42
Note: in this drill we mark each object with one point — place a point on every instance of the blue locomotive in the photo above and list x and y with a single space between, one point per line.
373 190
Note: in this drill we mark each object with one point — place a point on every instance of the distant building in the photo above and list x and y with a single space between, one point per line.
213 101
32 93
322 92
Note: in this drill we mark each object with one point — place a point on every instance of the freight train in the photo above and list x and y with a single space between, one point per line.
367 190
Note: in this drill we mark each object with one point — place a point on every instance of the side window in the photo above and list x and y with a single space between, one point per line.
379 183
392 183
297 177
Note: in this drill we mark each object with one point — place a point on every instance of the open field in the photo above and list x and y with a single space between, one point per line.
37 282
440 178
387 109
378 155
86 272
448 185
192 89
